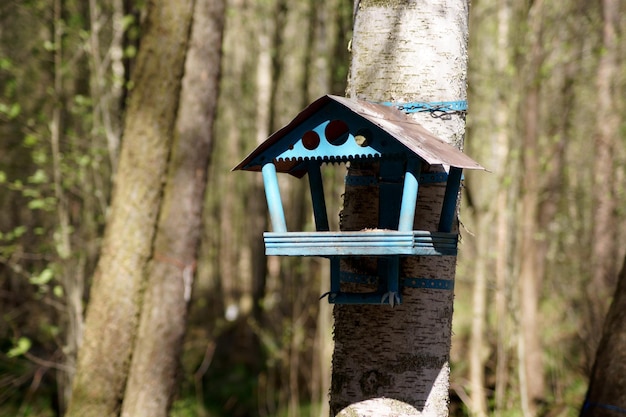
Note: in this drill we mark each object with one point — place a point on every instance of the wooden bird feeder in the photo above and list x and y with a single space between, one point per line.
336 129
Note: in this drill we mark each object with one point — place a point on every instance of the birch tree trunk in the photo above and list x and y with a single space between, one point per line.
604 233
395 362
113 312
155 363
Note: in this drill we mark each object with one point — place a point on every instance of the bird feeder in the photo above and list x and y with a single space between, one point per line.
340 130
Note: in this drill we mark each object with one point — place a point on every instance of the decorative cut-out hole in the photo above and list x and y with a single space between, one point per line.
310 140
363 137
336 132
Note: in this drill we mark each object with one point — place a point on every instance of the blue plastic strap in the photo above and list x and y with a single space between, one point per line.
435 284
434 107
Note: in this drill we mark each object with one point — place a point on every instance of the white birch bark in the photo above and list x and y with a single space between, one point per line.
394 362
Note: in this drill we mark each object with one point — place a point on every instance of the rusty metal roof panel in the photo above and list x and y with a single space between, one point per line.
411 135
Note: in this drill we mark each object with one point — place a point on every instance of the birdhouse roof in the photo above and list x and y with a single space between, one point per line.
338 129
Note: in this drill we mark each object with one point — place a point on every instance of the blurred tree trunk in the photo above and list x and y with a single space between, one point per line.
71 276
503 209
326 53
531 380
606 396
152 379
267 74
395 362
105 62
116 295
488 195
604 231
479 350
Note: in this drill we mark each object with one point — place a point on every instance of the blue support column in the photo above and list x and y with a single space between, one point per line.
392 297
390 192
274 202
409 195
317 197
448 209
393 274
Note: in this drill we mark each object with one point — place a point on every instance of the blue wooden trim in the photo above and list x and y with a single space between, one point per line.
317 197
411 282
390 193
365 243
370 180
409 195
450 198
389 285
325 150
433 177
358 298
385 298
360 180
274 202
358 278
393 296
393 274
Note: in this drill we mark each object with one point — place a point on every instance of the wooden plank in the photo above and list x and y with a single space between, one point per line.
359 298
365 243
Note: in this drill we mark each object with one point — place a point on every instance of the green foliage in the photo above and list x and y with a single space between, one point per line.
21 346
38 188
53 199
10 111
42 278
186 407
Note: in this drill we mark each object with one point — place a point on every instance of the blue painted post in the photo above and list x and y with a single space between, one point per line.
393 280
390 193
274 202
409 195
317 197
448 209
393 272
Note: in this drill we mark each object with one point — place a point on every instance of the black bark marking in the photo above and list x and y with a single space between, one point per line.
372 381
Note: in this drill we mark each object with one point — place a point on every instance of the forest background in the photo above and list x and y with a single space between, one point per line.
542 234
